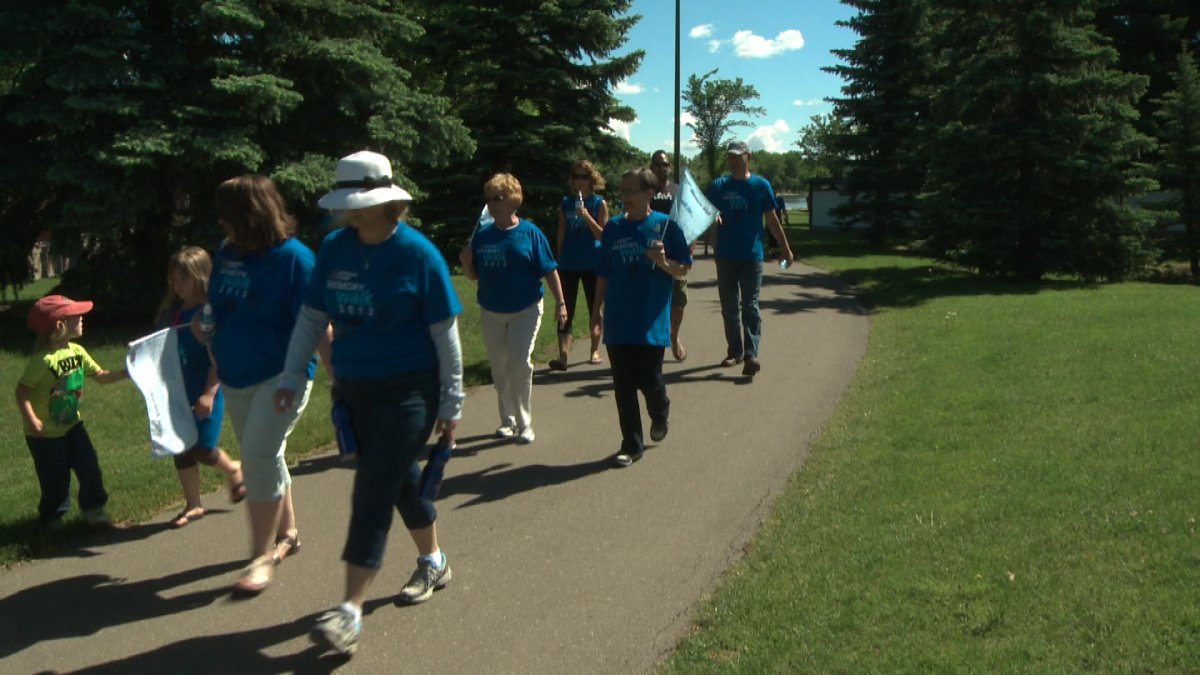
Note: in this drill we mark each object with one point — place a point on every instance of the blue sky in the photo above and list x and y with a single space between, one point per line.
779 46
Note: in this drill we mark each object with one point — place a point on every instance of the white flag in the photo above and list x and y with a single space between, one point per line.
153 363
692 211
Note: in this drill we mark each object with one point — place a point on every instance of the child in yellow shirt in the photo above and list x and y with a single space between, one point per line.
48 396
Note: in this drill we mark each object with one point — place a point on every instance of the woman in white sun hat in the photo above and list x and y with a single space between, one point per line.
398 368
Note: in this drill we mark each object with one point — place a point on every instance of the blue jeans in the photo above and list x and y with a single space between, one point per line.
392 418
54 459
738 284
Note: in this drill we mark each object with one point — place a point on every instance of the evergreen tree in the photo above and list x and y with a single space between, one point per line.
713 104
1179 168
124 116
1036 153
886 106
1146 35
532 80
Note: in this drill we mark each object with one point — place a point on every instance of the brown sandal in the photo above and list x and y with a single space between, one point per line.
185 517
287 545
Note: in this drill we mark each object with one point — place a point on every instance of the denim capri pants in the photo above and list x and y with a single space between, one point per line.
392 419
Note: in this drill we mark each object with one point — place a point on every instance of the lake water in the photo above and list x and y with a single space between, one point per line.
796 202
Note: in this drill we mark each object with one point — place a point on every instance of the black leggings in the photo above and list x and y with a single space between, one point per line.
570 283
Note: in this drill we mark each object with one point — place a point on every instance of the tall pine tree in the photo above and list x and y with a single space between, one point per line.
532 80
1146 35
123 116
885 103
1179 138
1036 151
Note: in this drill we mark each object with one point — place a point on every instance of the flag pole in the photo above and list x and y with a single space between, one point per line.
677 89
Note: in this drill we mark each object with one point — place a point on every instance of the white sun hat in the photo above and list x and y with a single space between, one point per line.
363 179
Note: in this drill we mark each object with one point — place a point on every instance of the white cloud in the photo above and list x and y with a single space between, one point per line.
686 118
811 101
750 46
714 46
769 138
627 88
619 128
701 31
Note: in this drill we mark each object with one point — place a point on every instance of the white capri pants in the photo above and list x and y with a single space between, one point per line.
262 432
509 341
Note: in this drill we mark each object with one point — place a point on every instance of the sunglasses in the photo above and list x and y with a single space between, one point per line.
660 164
497 197
581 175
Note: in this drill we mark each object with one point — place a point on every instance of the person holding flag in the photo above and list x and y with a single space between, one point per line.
641 251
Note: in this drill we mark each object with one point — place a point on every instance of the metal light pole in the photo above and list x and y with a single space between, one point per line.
677 88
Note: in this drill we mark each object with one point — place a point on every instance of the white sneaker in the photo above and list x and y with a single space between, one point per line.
506 431
97 516
526 436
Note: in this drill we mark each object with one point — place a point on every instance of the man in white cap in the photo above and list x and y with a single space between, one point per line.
743 199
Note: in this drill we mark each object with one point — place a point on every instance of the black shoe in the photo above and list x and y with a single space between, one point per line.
658 430
624 458
750 366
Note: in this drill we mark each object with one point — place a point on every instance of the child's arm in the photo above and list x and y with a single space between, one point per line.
110 376
204 404
26 409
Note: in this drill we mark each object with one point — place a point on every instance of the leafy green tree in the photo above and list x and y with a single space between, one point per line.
823 145
532 80
1036 152
1179 168
713 104
123 116
885 111
784 170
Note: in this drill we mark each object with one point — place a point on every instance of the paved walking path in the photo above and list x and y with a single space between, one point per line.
561 564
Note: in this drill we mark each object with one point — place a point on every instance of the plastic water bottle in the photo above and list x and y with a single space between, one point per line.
339 414
784 264
435 469
578 201
208 323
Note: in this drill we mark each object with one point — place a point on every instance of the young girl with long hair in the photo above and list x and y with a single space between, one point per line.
188 271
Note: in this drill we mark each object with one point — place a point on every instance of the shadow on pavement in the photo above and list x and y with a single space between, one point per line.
236 652
98 601
500 481
320 463
229 653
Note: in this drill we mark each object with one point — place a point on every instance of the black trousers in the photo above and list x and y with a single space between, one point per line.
637 368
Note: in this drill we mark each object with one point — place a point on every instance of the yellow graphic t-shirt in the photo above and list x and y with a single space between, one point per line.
56 378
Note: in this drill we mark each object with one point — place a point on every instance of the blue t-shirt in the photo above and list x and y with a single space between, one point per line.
510 264
382 300
256 298
637 304
742 204
580 246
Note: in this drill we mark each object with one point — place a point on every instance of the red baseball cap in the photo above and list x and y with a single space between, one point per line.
51 309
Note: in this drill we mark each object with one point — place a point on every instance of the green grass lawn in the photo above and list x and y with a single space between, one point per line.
138 485
1011 485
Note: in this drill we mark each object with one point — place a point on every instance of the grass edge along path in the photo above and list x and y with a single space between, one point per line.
1009 485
